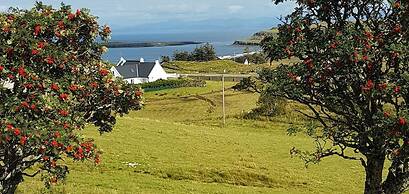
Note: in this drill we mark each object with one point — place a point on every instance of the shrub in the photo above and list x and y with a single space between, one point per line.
202 53
172 83
205 52
267 107
182 56
165 59
255 58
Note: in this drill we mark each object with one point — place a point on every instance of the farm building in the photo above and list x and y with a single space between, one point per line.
135 72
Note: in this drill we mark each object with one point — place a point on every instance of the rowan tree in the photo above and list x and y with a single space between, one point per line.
351 72
52 83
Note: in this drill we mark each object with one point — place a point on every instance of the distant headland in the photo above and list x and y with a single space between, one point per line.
256 38
119 44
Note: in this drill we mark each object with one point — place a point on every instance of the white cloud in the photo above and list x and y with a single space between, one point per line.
234 8
136 12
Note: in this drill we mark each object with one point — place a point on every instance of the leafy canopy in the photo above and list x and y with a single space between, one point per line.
351 72
52 83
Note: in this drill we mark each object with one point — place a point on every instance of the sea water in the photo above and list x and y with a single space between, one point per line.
222 42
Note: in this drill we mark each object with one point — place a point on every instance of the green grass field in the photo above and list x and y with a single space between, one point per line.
218 66
177 144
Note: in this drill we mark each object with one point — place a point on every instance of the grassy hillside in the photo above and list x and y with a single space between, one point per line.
256 38
177 145
191 67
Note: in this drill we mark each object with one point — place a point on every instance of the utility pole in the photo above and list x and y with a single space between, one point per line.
224 107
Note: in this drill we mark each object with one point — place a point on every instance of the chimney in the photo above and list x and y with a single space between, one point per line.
137 69
121 61
142 60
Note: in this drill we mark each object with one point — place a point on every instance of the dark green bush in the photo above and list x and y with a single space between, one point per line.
165 59
173 83
256 58
182 56
204 52
268 106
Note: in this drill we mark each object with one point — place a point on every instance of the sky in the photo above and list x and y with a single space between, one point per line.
124 15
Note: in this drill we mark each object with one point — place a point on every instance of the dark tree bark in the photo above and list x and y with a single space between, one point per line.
11 189
397 180
373 169
9 186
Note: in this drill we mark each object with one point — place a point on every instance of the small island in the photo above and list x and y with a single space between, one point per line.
120 44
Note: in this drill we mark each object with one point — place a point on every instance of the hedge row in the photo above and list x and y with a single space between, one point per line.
173 83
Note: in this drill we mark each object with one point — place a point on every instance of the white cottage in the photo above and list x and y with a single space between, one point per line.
136 72
246 62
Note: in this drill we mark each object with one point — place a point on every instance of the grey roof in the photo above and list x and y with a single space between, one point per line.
135 69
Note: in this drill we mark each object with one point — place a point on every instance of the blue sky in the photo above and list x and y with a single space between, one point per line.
125 14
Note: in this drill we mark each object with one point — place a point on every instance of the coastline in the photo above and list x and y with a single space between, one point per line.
256 38
118 44
155 53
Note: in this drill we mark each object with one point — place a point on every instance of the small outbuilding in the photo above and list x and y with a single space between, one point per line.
246 62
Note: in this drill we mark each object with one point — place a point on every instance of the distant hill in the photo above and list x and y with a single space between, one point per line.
118 44
256 38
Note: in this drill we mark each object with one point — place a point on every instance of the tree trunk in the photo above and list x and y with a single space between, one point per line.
373 169
392 187
398 179
11 190
9 186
